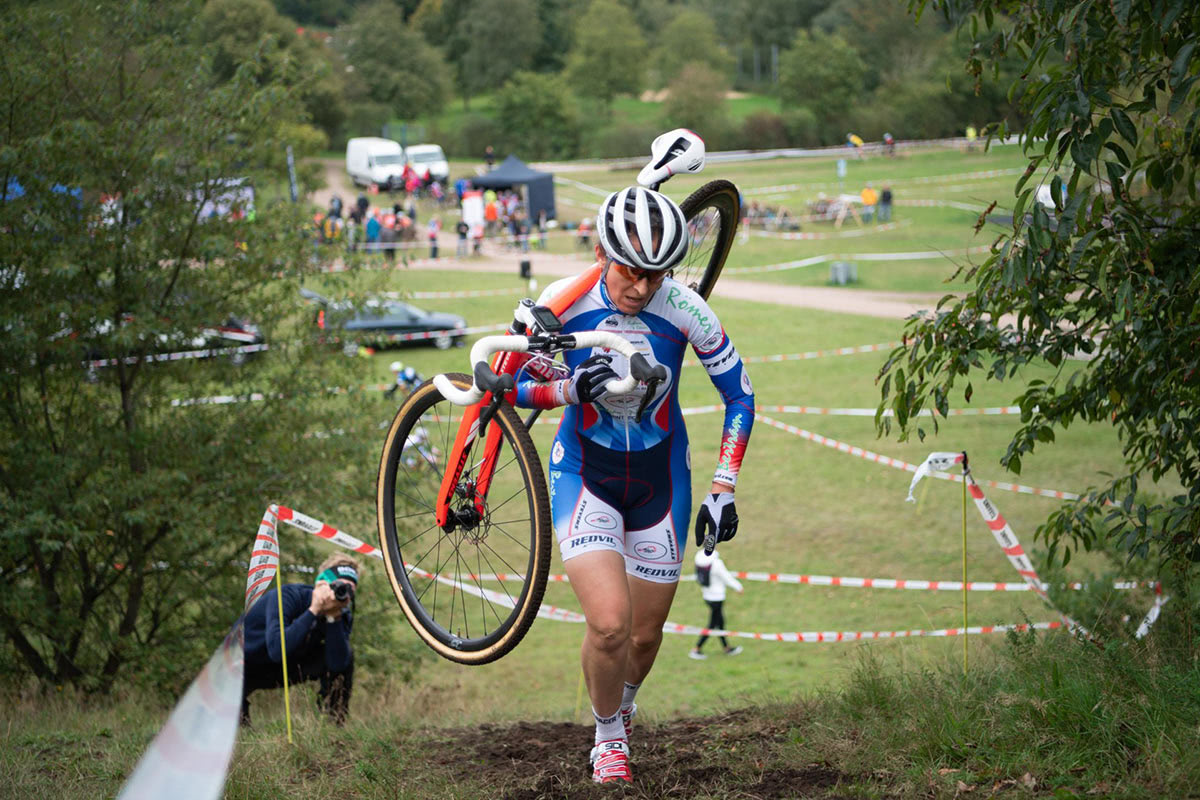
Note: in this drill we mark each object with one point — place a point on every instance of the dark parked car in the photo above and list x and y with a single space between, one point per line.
386 323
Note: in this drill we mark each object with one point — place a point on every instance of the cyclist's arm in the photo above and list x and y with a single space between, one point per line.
728 374
535 385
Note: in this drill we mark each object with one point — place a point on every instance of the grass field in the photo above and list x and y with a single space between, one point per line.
804 508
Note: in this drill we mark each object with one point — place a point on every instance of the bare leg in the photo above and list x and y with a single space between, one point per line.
598 580
651 605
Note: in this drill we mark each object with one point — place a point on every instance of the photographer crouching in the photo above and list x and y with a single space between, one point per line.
317 621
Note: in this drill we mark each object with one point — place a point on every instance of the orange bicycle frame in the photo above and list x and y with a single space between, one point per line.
468 429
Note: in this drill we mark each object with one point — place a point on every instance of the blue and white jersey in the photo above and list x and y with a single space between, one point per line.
674 318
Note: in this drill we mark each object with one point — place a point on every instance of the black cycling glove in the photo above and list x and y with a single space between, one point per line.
718 515
586 384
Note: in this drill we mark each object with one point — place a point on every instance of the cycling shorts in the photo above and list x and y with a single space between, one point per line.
636 503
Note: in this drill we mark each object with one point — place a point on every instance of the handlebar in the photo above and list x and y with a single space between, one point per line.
485 380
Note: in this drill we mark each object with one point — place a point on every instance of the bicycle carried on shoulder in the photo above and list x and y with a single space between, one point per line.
467 538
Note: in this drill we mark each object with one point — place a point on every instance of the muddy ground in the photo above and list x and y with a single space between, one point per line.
735 755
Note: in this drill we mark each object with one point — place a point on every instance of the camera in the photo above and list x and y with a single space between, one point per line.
342 591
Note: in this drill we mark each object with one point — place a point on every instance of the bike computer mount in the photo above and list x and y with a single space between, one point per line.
537 319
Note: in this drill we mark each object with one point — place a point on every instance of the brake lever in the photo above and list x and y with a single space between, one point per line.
651 391
639 367
498 385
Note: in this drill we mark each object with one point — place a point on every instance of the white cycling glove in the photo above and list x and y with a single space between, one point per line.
718 517
586 384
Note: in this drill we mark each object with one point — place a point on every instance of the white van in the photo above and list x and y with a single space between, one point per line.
428 157
370 159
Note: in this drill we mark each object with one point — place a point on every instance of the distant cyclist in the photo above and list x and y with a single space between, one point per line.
621 489
406 379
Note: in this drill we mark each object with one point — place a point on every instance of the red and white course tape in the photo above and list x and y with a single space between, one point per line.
211 352
901 464
320 529
812 637
189 758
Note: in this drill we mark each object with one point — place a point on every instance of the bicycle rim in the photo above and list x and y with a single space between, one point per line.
712 212
470 593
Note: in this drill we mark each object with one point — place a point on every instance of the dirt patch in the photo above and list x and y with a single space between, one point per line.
652 96
731 755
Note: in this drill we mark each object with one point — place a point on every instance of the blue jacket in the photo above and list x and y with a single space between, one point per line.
303 631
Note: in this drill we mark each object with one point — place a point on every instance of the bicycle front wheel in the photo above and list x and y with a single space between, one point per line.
712 212
470 589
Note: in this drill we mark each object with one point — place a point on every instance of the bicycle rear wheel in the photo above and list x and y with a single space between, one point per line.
713 212
472 592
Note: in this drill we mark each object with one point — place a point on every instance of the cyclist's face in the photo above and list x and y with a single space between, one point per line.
630 287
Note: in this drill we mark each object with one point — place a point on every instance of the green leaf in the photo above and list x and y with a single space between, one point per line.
1180 94
1179 67
1125 126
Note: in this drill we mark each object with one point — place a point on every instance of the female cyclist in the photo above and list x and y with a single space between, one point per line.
620 489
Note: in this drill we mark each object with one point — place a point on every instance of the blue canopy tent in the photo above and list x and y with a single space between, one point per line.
539 186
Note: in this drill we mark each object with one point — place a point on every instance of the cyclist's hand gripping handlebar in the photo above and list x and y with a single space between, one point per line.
482 351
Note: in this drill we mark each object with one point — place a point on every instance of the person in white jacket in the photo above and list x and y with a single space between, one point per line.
713 577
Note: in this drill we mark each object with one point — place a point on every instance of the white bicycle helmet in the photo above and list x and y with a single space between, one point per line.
642 228
397 366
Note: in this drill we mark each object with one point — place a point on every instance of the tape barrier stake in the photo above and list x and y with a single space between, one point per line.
964 561
287 695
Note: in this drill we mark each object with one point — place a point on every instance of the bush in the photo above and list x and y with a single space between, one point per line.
619 141
764 130
540 116
472 136
802 128
696 98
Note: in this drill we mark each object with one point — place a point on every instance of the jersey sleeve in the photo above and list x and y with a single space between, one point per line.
728 374
535 387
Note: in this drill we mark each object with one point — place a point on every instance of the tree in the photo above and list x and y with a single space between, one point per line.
696 100
235 33
393 65
540 116
609 55
496 38
122 509
690 36
892 45
556 17
1109 272
821 72
762 23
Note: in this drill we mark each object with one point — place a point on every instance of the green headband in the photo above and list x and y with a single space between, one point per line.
341 571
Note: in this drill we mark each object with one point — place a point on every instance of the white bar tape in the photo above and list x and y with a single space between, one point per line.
484 348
